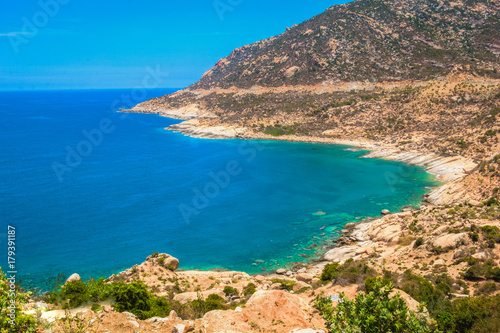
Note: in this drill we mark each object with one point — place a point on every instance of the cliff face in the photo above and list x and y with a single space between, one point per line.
372 40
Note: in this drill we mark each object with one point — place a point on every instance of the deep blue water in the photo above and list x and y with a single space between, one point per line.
139 189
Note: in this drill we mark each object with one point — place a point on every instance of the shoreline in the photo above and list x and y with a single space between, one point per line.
356 240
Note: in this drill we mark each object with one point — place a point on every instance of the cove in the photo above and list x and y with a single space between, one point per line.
232 204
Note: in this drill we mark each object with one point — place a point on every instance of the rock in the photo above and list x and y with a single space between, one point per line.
289 273
275 286
264 309
291 71
259 278
481 256
302 270
172 315
307 330
439 262
169 286
451 241
238 309
474 203
315 281
178 328
386 212
440 230
410 302
171 263
281 271
460 253
129 315
340 253
41 305
299 285
385 232
136 324
304 277
73 277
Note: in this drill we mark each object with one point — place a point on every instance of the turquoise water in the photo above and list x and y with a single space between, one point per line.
136 189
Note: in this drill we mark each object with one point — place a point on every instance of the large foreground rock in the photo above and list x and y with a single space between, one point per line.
265 309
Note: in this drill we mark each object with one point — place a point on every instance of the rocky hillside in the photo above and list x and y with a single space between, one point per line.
370 40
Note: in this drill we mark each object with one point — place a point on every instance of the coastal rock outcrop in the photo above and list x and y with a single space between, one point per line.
73 277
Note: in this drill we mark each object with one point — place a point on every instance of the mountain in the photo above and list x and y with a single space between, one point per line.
418 77
370 40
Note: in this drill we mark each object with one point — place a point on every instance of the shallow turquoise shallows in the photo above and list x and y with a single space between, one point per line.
93 191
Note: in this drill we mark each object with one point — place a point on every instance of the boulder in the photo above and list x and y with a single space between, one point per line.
171 263
281 271
304 277
73 277
481 256
440 230
386 212
439 262
299 285
259 278
451 241
178 328
340 253
264 309
460 253
474 203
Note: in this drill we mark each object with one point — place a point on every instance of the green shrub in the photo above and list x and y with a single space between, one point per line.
373 312
418 242
492 202
285 284
424 292
96 308
474 236
371 281
330 272
22 323
230 291
487 288
249 289
74 294
134 298
477 314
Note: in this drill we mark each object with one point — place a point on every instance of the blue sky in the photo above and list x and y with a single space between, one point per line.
75 44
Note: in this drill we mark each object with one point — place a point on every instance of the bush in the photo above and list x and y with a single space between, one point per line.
249 289
418 242
134 298
348 273
230 291
22 323
371 281
477 314
492 202
330 272
424 292
74 294
96 308
487 288
285 284
373 312
474 236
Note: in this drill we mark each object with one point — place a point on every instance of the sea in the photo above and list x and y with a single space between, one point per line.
91 190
